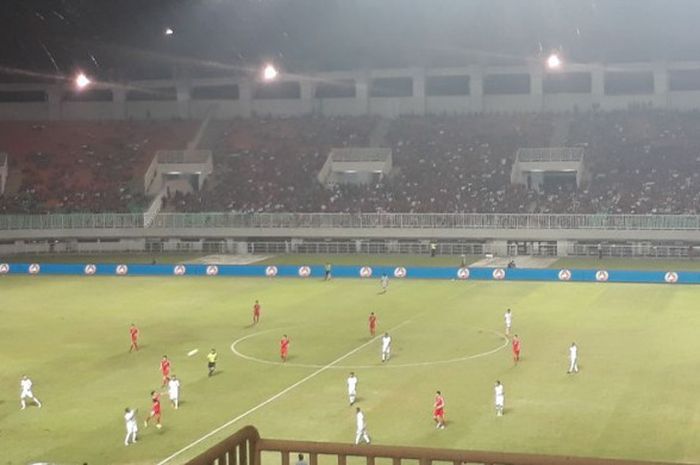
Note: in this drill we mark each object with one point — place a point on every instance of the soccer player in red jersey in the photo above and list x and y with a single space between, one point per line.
155 410
284 348
256 312
372 324
439 411
134 331
516 348
165 369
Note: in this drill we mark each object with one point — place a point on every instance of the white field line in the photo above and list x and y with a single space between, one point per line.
234 349
273 398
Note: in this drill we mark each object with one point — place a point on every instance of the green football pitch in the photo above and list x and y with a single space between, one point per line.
635 396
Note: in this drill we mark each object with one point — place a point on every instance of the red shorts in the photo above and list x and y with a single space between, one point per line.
516 352
372 327
439 412
155 412
166 374
283 353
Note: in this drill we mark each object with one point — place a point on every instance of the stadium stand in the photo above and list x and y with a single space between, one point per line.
638 161
82 167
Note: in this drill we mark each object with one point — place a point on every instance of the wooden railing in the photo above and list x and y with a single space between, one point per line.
247 448
238 449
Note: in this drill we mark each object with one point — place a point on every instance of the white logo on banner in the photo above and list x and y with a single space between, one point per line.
499 273
34 268
271 271
179 270
212 270
4 268
365 272
90 269
601 275
304 271
564 275
463 273
671 277
122 270
400 272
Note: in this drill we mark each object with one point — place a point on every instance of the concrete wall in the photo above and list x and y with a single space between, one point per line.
418 102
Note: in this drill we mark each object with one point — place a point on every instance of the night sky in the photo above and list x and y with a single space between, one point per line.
120 39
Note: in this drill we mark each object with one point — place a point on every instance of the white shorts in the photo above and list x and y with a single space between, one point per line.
500 400
132 427
352 392
26 395
173 395
386 350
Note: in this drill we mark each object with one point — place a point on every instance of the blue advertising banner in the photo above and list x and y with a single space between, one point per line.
362 272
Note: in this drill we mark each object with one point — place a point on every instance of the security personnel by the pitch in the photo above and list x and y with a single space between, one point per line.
211 359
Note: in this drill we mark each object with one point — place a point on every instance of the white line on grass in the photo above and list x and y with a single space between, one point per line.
234 349
276 396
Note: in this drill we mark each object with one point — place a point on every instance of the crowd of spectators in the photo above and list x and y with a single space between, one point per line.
81 166
636 161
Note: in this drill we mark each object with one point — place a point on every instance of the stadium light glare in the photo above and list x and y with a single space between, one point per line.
168 31
270 73
82 81
553 61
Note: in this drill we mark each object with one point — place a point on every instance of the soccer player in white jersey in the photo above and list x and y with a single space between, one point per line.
386 347
352 387
385 282
361 433
508 319
500 398
131 426
174 391
573 358
26 385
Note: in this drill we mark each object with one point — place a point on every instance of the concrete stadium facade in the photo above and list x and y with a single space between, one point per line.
574 87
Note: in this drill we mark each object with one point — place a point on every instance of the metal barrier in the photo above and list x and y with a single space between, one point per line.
355 220
228 452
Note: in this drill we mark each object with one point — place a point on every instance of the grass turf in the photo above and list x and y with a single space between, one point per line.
638 351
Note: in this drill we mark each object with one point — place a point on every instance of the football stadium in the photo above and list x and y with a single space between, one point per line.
322 232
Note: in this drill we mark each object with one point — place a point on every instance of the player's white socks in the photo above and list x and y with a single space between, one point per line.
133 438
23 403
352 399
362 435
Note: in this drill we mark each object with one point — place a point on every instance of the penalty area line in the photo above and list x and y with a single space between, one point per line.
274 397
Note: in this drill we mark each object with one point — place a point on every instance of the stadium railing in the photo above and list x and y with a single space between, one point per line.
72 221
425 221
239 447
352 220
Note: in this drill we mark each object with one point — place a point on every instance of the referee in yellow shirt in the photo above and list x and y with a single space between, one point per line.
211 358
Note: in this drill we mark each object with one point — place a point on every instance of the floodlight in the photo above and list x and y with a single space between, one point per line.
82 81
270 73
553 61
